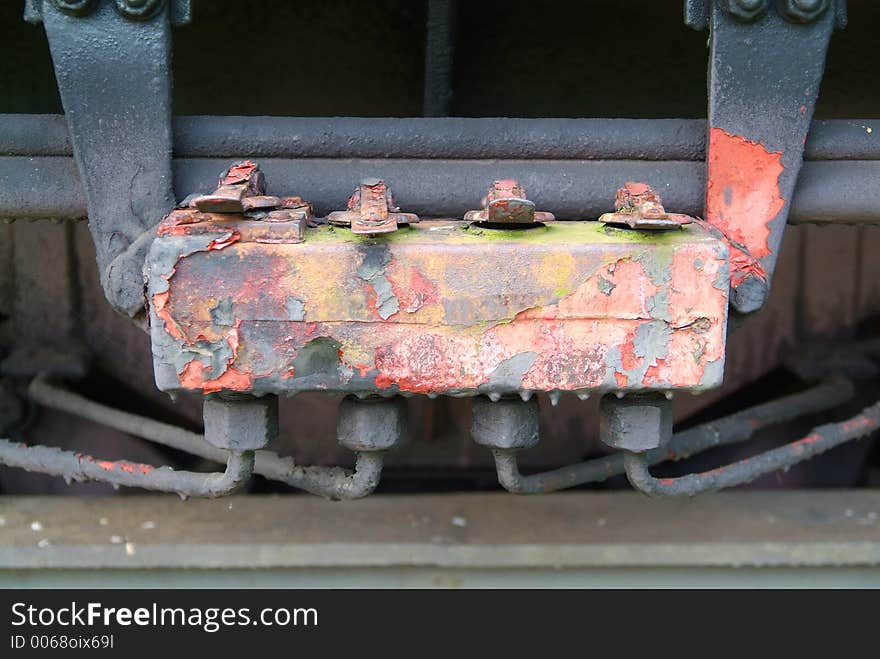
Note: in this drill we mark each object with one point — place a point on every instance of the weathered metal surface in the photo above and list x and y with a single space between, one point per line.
638 422
764 77
371 210
508 424
115 83
481 531
732 429
79 467
506 203
241 180
638 206
243 423
469 138
439 56
831 191
820 439
369 427
438 308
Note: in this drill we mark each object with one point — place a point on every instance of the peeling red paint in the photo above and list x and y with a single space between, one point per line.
591 297
160 302
742 192
412 289
196 375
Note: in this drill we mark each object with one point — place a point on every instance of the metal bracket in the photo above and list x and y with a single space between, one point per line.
371 210
506 203
112 61
638 206
766 64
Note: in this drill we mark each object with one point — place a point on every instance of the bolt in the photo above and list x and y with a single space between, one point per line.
749 295
802 11
371 424
509 424
139 10
638 422
74 7
746 10
239 422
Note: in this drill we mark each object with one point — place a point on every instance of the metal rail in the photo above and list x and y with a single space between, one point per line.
441 138
567 166
829 192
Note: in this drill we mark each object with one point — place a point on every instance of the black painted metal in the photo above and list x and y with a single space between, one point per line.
78 467
453 138
732 429
439 55
115 83
833 192
819 440
764 76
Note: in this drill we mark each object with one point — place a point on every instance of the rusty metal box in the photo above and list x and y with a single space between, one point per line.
437 307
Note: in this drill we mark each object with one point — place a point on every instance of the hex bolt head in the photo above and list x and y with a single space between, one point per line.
802 11
371 424
241 424
139 10
746 10
637 422
510 423
74 7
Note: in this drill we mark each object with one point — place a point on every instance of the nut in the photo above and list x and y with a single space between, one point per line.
242 424
802 11
372 424
510 423
638 422
746 10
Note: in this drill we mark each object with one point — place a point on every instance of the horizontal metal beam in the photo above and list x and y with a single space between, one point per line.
839 192
472 531
449 138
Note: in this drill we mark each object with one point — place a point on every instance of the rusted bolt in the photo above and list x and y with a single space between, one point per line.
638 206
371 424
74 7
636 422
746 10
510 423
237 184
241 423
139 10
371 210
506 203
802 11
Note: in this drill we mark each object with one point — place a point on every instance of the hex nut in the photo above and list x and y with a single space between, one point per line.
638 422
371 424
246 424
802 11
746 10
509 423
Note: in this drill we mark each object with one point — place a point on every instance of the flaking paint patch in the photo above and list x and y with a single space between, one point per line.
296 310
742 192
376 258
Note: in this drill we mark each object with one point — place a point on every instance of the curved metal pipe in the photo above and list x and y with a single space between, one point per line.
820 439
737 427
330 482
79 467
